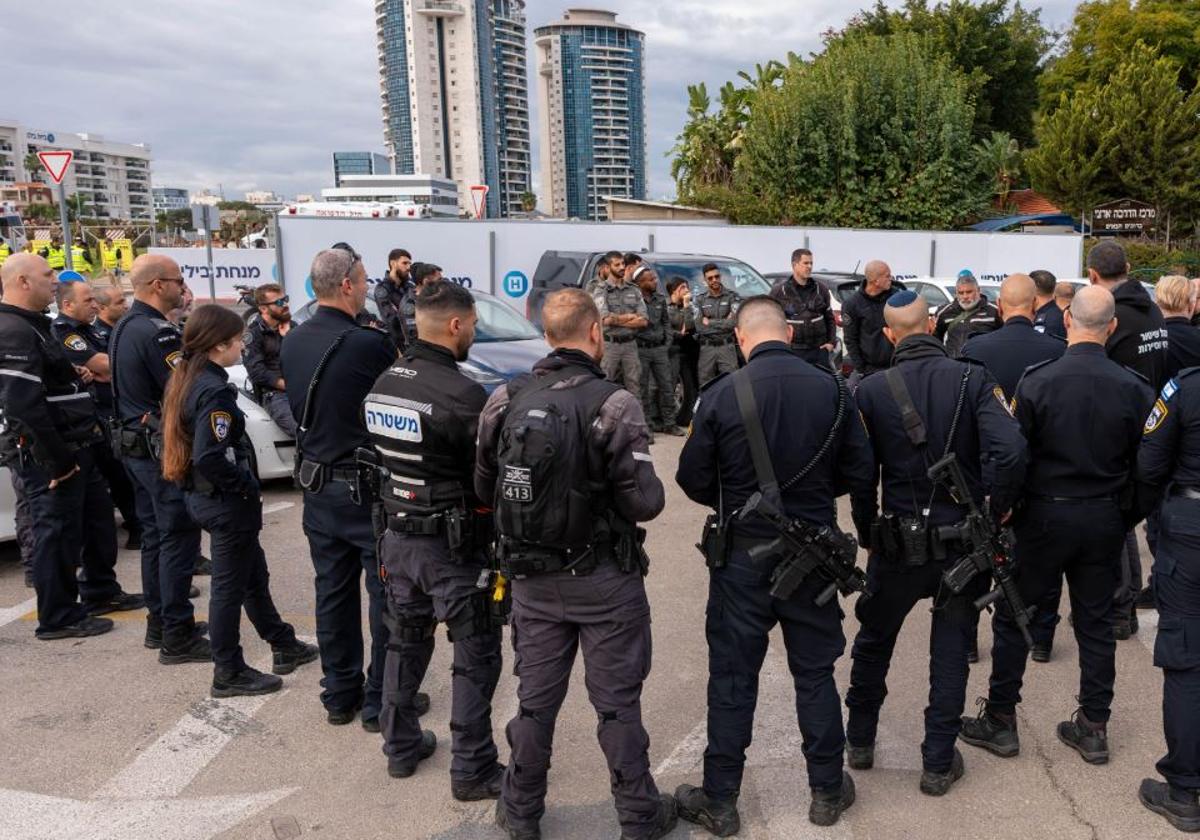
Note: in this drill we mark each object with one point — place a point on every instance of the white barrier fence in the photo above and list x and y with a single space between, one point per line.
244 266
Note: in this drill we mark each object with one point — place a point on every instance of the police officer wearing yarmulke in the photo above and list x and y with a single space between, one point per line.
745 441
564 456
923 409
1083 416
435 539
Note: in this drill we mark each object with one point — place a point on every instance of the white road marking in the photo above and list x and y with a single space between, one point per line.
275 507
1148 628
10 614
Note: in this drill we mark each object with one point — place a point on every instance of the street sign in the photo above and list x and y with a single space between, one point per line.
1125 216
56 163
479 199
70 277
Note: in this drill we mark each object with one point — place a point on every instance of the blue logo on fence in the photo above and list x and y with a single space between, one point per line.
515 284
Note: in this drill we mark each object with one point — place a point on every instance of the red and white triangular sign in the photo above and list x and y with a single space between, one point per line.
56 163
478 198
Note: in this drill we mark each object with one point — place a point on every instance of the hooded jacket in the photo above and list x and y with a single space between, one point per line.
862 328
1140 340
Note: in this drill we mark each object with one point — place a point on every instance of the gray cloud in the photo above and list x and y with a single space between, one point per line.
258 95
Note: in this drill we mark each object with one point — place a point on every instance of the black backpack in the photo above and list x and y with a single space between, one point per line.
545 495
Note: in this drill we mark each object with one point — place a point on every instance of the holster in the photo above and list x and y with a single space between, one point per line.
311 475
901 540
519 560
714 542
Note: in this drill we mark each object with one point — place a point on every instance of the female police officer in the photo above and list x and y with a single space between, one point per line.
205 449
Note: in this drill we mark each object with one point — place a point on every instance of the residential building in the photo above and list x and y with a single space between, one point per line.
440 194
359 163
265 200
25 194
205 197
112 178
592 123
169 198
454 94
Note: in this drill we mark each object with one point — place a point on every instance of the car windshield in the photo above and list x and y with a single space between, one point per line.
734 275
498 322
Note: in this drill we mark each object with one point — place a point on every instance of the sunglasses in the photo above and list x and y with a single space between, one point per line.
280 302
344 246
712 276
178 280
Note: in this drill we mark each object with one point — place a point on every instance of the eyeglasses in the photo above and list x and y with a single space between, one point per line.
280 302
178 280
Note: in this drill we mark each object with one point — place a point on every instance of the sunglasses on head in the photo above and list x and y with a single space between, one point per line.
344 246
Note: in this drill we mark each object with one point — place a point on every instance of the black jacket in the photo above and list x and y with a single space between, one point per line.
144 349
1008 351
1170 450
809 311
955 326
395 308
260 355
1140 341
81 342
867 347
1183 350
220 448
1049 320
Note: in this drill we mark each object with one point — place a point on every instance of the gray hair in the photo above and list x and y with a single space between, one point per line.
329 268
1093 309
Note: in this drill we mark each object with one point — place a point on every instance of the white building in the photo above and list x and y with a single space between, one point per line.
440 194
265 200
113 178
454 94
206 197
169 198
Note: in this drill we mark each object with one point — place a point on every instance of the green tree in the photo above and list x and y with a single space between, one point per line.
1068 163
528 202
1000 161
1104 31
998 46
41 213
172 219
876 132
34 168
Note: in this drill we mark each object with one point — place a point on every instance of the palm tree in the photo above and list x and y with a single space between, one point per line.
1000 158
528 202
34 169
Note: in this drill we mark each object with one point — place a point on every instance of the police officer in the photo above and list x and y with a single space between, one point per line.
867 349
1083 417
683 346
422 275
809 310
967 315
422 416
264 339
715 311
145 347
207 453
330 363
1176 297
389 294
1047 314
609 265
567 496
921 410
622 314
47 425
1007 353
718 468
654 354
1170 458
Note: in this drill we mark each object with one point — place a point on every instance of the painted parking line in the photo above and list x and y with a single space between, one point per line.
21 610
276 507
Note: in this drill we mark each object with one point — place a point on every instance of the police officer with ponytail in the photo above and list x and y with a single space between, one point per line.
422 416
207 453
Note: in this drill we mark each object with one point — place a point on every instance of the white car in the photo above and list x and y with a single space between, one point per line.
8 507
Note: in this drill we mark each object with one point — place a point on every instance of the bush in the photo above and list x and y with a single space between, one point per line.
1151 260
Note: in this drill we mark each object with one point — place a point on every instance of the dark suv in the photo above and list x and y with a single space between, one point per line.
572 269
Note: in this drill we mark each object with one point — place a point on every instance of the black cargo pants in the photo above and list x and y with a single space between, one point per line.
422 584
607 615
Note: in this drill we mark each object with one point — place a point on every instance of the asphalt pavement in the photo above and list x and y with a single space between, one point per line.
100 741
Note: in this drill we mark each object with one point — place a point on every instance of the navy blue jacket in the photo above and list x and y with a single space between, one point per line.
1170 450
797 403
1183 350
220 448
81 341
1008 351
1048 320
145 347
986 431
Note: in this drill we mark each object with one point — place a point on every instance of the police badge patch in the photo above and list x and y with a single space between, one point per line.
173 359
221 423
517 484
998 393
75 342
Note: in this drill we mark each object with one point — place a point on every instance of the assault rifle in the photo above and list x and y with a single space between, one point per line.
989 548
806 549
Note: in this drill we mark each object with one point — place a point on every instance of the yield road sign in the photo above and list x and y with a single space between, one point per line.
56 163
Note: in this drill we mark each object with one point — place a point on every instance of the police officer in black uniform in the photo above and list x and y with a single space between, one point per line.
830 454
330 363
923 409
564 455
1083 416
85 339
143 351
206 452
809 310
1047 314
422 416
389 294
1170 458
48 423
684 350
263 342
1007 353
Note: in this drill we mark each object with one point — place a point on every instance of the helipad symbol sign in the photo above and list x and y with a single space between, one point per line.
516 284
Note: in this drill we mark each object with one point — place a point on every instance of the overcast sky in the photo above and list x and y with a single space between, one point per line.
257 95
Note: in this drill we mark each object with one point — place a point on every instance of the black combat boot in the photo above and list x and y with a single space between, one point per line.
420 704
1040 652
86 626
195 649
288 657
153 639
203 567
973 651
402 768
664 821
487 787
827 807
1088 739
1179 806
994 732
341 717
513 832
860 758
939 784
719 816
244 683
121 602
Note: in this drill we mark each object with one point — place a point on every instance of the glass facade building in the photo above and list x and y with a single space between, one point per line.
359 163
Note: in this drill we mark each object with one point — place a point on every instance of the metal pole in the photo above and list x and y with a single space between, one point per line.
212 277
66 226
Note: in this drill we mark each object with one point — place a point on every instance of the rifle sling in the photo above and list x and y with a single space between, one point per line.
914 426
743 389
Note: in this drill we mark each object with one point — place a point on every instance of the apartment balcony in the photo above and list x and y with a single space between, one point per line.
439 8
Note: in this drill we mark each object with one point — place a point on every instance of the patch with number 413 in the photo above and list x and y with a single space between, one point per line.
516 485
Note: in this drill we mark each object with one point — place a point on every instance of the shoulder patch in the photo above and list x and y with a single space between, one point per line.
1158 414
75 342
221 423
1169 390
173 359
998 393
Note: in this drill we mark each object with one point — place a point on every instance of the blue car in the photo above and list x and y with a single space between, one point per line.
505 343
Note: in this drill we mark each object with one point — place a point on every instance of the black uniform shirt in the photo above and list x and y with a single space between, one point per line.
34 367
658 331
389 296
1083 416
1170 450
80 341
1048 320
809 311
797 403
260 354
1183 350
145 348
986 431
335 427
1008 351
220 449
